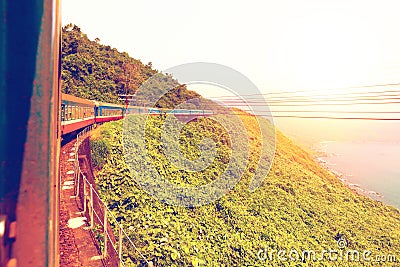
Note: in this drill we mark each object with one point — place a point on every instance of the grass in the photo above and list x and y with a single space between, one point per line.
299 206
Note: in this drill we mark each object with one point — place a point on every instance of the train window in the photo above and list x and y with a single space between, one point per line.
66 112
112 112
75 111
62 112
69 112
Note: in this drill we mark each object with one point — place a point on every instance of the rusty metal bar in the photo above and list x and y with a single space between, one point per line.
91 206
105 232
84 195
78 183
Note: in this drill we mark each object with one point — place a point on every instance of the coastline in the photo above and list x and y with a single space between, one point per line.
318 155
366 168
342 177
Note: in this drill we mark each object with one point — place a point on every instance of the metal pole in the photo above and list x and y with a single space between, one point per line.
105 232
120 245
91 206
75 178
84 195
78 184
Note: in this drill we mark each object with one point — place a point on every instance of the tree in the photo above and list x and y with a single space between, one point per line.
99 72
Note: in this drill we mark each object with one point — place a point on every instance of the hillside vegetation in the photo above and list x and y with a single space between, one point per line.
99 72
300 206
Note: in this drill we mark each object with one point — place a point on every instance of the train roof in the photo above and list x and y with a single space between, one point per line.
71 98
104 104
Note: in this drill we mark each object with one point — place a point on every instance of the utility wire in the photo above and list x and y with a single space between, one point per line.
313 104
314 98
317 117
309 100
331 111
347 95
312 91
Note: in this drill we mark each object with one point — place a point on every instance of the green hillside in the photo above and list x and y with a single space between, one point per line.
99 72
299 207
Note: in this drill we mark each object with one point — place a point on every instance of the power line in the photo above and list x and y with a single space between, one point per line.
324 96
309 100
344 88
337 118
257 104
311 91
317 117
332 111
314 97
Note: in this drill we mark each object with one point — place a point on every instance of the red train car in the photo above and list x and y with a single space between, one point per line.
77 113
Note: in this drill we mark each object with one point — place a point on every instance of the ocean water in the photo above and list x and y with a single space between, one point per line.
371 168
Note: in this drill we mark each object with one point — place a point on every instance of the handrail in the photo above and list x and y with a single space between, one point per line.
87 194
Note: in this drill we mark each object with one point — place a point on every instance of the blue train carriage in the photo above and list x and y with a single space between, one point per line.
155 111
135 110
76 113
164 111
108 112
187 112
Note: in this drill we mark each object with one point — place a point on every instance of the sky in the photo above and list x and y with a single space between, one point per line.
286 45
279 45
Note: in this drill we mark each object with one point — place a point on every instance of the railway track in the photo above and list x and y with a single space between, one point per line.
77 246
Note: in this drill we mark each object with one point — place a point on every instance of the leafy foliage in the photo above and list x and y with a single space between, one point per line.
99 148
94 71
299 206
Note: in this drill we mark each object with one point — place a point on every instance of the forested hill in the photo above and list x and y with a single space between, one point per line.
99 72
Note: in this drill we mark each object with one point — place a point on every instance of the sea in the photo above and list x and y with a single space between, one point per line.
370 168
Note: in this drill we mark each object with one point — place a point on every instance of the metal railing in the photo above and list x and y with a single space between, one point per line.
99 217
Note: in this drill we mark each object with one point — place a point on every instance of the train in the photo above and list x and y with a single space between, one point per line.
34 118
77 113
30 135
